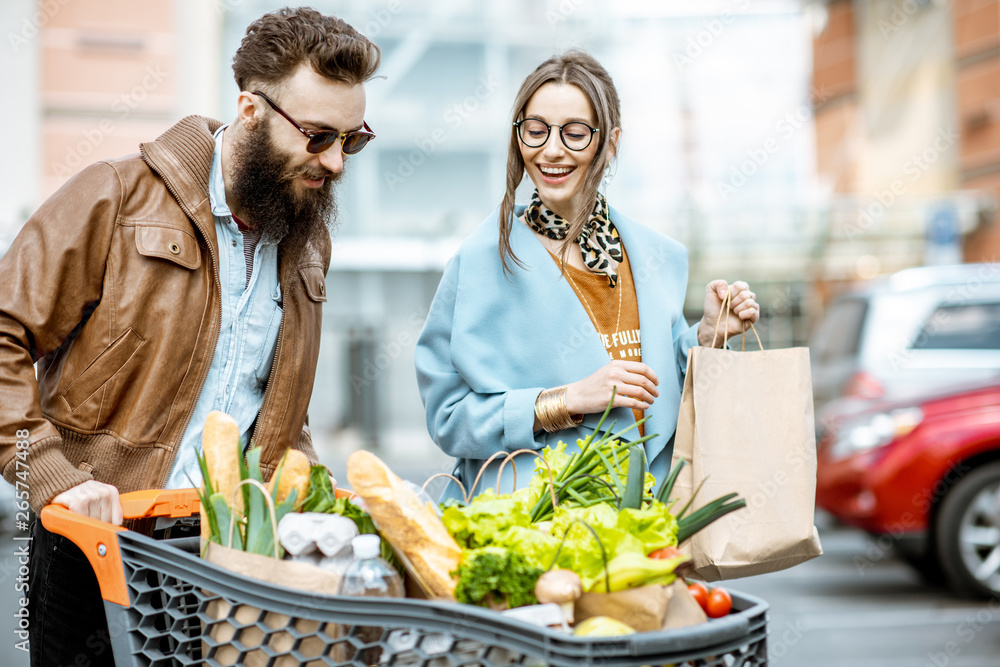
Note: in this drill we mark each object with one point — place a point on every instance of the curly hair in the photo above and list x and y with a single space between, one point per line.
277 43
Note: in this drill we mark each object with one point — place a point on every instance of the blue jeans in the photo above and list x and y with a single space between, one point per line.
68 625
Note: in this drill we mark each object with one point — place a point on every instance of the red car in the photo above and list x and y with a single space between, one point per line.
923 476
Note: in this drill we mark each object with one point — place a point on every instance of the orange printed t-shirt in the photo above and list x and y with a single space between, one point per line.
613 311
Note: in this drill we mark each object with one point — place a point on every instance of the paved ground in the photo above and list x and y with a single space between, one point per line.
856 606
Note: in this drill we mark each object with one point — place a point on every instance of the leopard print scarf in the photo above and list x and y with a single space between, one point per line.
599 242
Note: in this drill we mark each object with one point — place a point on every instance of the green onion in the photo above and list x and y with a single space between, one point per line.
636 478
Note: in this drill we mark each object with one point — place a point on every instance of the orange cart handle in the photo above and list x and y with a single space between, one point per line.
98 539
172 503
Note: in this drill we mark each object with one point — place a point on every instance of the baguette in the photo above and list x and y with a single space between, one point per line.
220 445
294 474
412 528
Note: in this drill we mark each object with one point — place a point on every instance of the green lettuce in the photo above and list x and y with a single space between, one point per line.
654 526
536 546
483 521
629 531
495 575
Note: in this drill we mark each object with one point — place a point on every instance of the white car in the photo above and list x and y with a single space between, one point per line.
899 336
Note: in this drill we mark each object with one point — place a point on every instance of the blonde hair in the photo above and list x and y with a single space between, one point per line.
583 71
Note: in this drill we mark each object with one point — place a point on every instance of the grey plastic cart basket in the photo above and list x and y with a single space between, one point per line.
182 610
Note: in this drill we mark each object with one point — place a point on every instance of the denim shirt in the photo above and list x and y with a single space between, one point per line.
251 317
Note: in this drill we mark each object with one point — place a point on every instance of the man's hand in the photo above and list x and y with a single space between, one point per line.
94 499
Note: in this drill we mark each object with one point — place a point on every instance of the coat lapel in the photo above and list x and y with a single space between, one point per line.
579 340
652 275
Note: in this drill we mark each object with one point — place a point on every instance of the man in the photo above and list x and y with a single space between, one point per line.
155 288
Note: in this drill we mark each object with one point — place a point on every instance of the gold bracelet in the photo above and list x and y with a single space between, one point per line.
544 410
550 408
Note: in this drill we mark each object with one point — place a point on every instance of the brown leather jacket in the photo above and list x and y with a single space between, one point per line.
112 287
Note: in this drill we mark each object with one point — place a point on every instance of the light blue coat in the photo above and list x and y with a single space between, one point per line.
493 341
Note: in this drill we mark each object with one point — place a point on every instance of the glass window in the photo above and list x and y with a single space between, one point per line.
840 334
973 326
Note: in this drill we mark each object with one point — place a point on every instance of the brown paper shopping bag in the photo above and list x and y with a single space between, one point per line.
256 629
644 609
302 576
746 425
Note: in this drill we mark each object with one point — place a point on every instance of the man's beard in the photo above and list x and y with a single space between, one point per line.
264 187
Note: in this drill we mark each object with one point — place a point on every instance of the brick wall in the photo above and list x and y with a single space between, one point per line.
977 95
834 96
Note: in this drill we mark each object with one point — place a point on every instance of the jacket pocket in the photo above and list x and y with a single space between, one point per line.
168 243
314 281
102 369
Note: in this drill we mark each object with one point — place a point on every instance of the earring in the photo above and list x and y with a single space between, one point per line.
608 176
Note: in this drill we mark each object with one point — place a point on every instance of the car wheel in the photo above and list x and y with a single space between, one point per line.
968 533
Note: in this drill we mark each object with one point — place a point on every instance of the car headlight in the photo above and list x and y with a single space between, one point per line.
874 431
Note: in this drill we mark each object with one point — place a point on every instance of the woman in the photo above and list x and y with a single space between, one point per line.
508 358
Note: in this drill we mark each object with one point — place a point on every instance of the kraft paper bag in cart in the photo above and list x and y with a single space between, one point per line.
746 425
302 576
262 635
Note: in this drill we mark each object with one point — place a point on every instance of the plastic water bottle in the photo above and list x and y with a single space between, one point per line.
368 575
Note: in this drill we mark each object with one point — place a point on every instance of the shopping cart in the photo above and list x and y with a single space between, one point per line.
166 606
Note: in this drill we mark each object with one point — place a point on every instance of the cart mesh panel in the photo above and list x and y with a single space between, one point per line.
186 611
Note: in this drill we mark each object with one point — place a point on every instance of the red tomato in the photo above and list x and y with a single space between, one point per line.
720 603
666 553
699 592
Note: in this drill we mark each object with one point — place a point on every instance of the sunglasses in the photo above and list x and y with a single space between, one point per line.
320 140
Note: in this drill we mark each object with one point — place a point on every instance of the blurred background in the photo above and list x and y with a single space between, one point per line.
798 146
810 148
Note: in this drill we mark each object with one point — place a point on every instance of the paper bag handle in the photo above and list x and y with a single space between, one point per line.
270 508
482 469
510 459
465 495
725 333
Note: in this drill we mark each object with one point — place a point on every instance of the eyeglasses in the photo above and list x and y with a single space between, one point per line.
320 140
534 132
